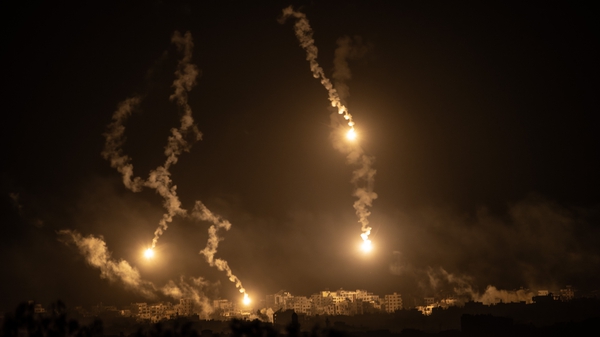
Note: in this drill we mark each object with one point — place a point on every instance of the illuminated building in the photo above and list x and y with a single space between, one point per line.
392 302
186 307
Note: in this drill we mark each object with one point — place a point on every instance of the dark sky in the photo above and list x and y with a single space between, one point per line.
480 117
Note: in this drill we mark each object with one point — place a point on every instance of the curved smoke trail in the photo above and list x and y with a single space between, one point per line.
200 212
159 179
364 176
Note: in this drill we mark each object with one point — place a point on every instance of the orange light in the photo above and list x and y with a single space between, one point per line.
366 246
351 135
246 299
149 253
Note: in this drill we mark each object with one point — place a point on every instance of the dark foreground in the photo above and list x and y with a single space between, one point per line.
25 322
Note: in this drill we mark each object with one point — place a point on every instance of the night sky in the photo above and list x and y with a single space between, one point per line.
482 120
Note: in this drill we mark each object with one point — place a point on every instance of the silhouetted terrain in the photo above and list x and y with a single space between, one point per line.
575 318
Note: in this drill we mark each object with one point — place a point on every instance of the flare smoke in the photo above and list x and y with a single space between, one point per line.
96 253
304 34
363 176
159 179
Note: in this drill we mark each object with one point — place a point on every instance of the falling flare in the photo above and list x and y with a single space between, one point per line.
366 246
149 253
246 299
363 176
351 135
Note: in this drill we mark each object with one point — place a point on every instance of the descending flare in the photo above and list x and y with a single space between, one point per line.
351 135
246 299
366 246
149 253
363 176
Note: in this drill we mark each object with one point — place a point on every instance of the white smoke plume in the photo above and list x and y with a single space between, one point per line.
347 49
463 289
493 295
185 80
97 255
364 176
193 291
159 179
200 212
115 139
304 33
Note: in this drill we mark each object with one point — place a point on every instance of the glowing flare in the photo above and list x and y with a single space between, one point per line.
246 299
149 253
366 246
351 134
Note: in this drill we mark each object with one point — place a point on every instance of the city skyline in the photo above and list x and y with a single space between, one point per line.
480 130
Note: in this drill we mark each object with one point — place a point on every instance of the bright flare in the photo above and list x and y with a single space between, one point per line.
149 253
246 299
351 134
366 246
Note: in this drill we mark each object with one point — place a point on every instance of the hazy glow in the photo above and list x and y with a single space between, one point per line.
366 246
246 299
149 253
351 135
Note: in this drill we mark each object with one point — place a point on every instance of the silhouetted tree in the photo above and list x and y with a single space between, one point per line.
53 323
254 328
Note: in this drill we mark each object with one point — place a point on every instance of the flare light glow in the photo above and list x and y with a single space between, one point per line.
351 135
149 253
246 300
366 246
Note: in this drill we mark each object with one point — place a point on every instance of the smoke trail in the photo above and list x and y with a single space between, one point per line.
200 212
304 33
97 255
159 178
114 141
493 296
363 176
185 80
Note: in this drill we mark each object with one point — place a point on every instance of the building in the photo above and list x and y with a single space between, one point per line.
392 303
140 310
567 294
186 307
302 304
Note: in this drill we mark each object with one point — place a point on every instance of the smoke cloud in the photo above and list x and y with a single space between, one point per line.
363 177
537 244
97 255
